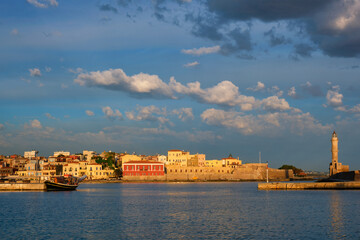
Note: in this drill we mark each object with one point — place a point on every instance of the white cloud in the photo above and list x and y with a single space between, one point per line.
202 50
89 113
116 79
192 64
49 116
35 72
14 32
292 92
112 115
258 87
43 3
296 123
334 97
34 124
47 69
2 127
76 71
274 103
148 113
225 93
183 113
63 86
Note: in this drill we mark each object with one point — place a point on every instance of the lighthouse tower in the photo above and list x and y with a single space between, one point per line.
336 167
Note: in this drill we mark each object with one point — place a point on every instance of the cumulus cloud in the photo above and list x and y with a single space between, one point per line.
183 113
274 103
43 3
111 114
33 124
89 113
116 79
49 116
224 93
258 87
202 50
148 113
334 97
292 92
191 64
35 72
250 124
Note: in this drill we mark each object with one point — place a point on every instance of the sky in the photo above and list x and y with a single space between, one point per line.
217 77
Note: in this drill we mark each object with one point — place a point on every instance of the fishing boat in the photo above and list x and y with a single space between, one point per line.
63 183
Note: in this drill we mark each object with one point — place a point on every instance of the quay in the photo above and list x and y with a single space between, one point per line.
21 186
309 186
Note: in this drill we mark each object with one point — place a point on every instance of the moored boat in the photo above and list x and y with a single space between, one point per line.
63 183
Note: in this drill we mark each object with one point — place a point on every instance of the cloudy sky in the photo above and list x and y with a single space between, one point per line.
208 76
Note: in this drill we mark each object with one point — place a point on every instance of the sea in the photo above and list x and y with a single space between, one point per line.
231 210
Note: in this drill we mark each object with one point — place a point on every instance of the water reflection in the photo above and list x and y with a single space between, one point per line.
336 213
180 211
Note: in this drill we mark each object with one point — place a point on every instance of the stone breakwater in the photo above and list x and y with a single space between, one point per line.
309 186
22 187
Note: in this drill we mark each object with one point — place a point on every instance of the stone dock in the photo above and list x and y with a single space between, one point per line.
309 186
22 187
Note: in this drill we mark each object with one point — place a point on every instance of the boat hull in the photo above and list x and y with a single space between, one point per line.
51 186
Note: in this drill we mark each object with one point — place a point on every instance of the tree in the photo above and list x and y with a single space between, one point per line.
118 173
295 169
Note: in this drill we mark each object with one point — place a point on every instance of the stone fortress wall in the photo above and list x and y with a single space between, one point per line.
244 172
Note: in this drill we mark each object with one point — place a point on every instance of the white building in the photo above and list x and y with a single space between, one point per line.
88 155
163 159
30 154
56 154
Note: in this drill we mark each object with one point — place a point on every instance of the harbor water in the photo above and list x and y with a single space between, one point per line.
180 211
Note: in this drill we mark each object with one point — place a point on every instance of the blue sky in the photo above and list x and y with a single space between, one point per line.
210 76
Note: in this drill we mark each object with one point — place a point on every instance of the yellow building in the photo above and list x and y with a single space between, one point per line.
178 157
72 168
129 157
95 171
213 163
225 162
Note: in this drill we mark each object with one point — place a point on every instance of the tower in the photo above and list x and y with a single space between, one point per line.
334 165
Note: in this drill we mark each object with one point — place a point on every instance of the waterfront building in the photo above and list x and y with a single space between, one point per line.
72 168
143 168
231 162
178 157
213 163
335 166
95 171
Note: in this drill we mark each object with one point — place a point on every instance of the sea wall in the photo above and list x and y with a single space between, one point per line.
245 172
22 187
308 185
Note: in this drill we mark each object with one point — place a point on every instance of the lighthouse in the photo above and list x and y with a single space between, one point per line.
336 167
